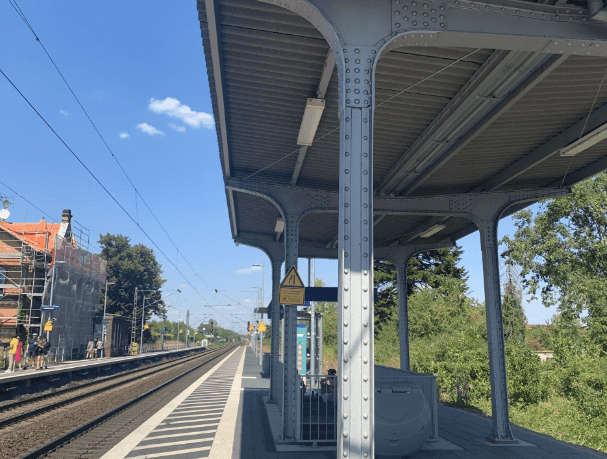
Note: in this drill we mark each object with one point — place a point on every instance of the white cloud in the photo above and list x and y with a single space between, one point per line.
124 135
151 130
250 270
63 112
175 109
174 127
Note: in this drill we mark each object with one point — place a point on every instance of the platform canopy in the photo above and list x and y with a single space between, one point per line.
448 121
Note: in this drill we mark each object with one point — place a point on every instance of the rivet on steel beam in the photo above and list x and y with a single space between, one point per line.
365 360
345 324
357 61
345 454
357 101
365 324
397 13
365 190
366 434
365 415
365 342
366 455
365 272
345 306
345 359
345 415
345 396
364 306
365 397
345 271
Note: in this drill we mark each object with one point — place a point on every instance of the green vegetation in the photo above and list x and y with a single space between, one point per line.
561 253
197 332
129 267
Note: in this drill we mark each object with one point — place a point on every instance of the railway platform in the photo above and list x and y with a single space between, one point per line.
222 415
84 367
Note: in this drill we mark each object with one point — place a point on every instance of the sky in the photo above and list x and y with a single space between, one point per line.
138 69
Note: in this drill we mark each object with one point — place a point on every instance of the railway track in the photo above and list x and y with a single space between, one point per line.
30 406
31 430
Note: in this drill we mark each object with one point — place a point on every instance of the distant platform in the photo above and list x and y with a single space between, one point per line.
85 365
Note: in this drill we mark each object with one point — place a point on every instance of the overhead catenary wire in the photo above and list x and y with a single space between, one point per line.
102 185
137 193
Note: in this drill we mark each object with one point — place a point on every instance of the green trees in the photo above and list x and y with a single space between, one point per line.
129 267
563 254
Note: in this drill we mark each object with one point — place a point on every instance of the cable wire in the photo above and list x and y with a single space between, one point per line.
102 185
137 193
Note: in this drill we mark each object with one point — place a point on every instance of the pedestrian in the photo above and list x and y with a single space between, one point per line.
18 354
45 352
39 352
99 347
31 350
89 349
12 350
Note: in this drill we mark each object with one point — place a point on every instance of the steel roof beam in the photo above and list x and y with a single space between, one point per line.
525 79
596 119
470 103
299 200
305 250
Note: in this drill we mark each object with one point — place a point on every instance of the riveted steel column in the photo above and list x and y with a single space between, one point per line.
355 317
275 377
495 333
290 334
403 312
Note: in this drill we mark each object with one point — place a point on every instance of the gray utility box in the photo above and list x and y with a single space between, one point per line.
425 382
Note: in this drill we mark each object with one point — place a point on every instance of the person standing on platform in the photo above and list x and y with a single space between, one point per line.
18 355
39 352
90 347
12 350
31 351
46 349
99 348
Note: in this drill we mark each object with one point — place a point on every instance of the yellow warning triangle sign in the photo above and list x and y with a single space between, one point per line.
292 279
261 327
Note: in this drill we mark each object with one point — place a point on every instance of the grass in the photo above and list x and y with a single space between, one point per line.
558 417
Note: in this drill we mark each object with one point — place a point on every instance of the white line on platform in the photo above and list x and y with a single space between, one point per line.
127 444
249 377
223 443
169 453
183 434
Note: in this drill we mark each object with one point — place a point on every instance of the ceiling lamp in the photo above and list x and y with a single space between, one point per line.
432 230
309 123
587 141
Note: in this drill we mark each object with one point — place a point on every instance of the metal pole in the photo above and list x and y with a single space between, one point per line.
311 281
187 327
104 324
142 319
403 312
261 348
178 327
48 333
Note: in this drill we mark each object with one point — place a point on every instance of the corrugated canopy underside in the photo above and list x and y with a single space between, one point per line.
272 61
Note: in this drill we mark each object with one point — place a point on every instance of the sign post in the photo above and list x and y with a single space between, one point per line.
261 328
302 341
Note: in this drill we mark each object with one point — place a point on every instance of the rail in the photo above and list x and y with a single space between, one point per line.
40 452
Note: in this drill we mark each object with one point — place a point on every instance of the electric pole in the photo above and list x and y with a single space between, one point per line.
187 327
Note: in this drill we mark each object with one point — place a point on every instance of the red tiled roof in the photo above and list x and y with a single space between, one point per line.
34 234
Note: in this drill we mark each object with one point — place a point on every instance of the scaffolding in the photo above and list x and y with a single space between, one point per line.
24 262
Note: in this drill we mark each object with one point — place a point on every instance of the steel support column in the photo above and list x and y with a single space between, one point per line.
399 256
275 375
290 334
500 431
355 254
403 312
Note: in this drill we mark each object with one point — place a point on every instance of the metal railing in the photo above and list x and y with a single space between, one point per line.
317 408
